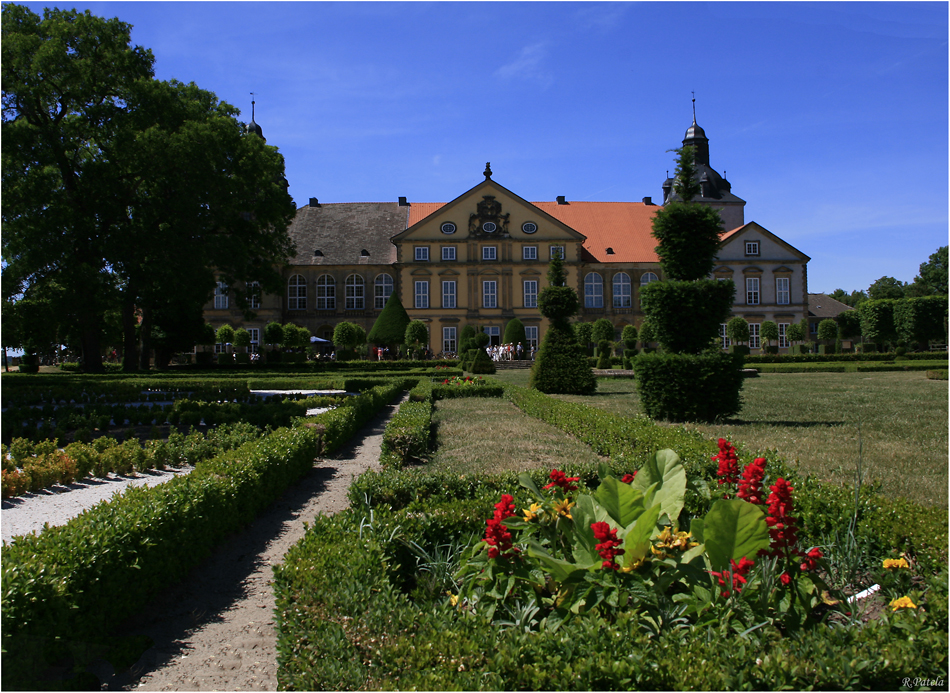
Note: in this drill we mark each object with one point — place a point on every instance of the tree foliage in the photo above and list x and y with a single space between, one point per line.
828 329
686 315
515 333
886 287
877 320
390 327
769 332
737 329
417 334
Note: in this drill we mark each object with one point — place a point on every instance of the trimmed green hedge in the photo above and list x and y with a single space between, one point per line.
814 358
689 387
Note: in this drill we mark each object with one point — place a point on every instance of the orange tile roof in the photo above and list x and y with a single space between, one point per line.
626 227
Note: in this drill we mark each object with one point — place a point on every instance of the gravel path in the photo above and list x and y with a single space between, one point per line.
215 630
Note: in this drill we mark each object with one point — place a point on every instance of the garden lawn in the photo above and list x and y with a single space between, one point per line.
814 419
489 436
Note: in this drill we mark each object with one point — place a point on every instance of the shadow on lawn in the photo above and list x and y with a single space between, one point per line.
786 424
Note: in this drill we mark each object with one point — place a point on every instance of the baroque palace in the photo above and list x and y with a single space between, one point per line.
481 259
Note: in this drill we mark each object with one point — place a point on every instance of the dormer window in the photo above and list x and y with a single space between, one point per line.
318 253
610 251
752 248
364 253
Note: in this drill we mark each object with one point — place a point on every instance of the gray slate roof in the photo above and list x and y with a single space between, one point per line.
824 306
342 231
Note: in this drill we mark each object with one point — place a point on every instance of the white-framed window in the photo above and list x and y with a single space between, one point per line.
355 296
326 292
783 335
623 297
752 248
752 291
297 293
449 292
383 289
648 277
723 338
255 333
489 293
448 253
421 294
449 340
754 342
530 293
494 335
593 290
531 333
254 295
489 252
220 296
422 253
529 252
557 251
781 291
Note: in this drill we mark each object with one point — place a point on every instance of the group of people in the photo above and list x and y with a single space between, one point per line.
509 352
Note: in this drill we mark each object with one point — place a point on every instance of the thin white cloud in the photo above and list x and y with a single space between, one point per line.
528 66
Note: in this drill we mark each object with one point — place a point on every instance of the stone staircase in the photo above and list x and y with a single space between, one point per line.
508 365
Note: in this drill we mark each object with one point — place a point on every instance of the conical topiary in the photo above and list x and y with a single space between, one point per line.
390 326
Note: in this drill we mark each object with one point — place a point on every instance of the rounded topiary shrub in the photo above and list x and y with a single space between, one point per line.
561 365
603 354
482 364
689 387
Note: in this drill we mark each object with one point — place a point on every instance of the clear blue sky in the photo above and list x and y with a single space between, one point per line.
829 119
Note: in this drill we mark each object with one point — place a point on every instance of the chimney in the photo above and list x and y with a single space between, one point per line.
403 202
648 200
561 200
313 202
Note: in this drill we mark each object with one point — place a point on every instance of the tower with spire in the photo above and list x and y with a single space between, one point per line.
715 189
253 127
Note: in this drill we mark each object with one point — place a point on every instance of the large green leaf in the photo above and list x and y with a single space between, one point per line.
623 503
527 482
664 470
559 569
584 514
636 544
733 529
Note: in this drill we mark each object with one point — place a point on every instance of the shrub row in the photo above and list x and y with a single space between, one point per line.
812 358
66 586
937 375
828 367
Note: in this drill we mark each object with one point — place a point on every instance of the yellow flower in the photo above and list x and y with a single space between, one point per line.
453 599
903 603
894 563
563 507
532 512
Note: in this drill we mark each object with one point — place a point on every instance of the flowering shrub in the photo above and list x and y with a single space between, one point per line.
620 548
465 381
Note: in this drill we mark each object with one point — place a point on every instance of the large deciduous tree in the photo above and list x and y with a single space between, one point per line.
127 191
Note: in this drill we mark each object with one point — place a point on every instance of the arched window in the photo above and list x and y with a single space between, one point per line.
593 291
297 293
647 277
354 292
622 292
326 292
384 289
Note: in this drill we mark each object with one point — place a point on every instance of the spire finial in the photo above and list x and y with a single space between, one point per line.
252 106
694 108
487 170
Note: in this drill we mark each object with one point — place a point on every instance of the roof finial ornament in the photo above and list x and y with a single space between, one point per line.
694 108
487 171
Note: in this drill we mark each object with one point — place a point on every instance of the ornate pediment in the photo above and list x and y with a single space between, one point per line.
488 221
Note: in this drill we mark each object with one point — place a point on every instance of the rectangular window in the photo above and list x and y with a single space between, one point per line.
422 295
781 291
531 293
722 336
783 335
448 294
221 296
449 340
490 294
529 252
557 251
752 248
489 252
254 295
752 291
448 253
754 335
813 327
422 253
531 332
494 335
255 333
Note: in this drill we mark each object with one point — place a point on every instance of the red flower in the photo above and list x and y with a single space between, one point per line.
811 559
628 478
559 479
607 548
732 580
728 463
750 488
785 579
497 535
780 521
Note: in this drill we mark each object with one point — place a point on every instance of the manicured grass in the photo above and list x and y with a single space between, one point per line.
814 419
490 436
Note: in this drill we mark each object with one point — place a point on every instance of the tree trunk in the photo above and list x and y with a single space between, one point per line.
130 348
91 351
146 338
